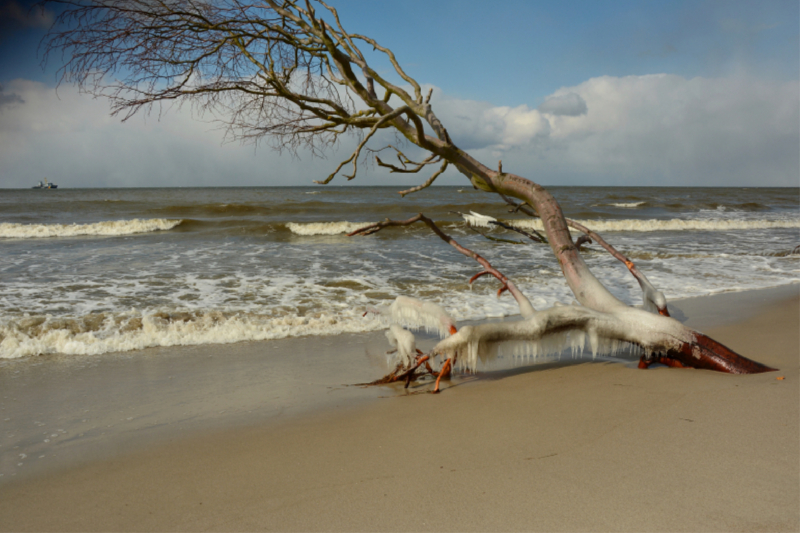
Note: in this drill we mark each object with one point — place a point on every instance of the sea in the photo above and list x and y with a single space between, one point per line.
104 271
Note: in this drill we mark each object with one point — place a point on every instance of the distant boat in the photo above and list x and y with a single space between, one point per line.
45 185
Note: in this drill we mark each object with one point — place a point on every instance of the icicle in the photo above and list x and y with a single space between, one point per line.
547 334
417 314
653 300
405 343
478 220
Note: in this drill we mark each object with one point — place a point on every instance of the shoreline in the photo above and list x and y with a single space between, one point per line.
110 404
554 447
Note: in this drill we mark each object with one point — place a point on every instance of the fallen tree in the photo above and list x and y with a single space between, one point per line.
288 73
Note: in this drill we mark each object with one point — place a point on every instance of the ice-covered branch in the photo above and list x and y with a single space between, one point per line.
659 339
477 219
653 299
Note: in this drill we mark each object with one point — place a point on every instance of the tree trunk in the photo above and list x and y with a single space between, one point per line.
664 339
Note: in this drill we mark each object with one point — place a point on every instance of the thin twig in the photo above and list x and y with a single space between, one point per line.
427 183
526 309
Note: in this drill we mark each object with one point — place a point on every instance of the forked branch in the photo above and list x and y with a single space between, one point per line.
525 307
427 183
654 299
354 157
652 296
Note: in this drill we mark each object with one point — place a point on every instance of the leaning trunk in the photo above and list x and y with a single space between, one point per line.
663 338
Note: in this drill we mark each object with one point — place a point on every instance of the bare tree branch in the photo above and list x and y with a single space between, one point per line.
526 309
277 71
354 157
406 161
651 295
427 183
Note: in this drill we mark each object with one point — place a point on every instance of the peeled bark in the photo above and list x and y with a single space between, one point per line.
661 337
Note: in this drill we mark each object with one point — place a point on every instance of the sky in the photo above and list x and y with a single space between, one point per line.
632 93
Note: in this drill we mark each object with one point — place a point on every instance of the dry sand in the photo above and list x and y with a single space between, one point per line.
595 446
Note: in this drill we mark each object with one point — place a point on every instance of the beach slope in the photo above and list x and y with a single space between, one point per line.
595 446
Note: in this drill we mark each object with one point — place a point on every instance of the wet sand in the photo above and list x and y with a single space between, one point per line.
571 446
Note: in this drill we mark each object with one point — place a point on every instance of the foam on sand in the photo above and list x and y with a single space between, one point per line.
105 228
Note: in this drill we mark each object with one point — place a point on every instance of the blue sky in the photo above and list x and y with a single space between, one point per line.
578 93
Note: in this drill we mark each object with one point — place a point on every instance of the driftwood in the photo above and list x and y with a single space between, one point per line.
287 72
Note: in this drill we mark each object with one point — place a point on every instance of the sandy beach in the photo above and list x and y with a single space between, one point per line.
568 446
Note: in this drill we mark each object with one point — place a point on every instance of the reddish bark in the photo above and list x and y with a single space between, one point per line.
706 353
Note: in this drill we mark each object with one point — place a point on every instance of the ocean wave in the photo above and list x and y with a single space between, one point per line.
629 204
105 228
325 228
633 225
674 224
246 209
100 333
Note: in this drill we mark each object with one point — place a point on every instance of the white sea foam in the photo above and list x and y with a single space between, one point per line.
629 205
98 334
633 225
674 224
105 228
325 228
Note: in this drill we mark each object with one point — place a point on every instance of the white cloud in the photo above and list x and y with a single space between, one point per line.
646 130
665 129
474 125
9 99
635 130
570 104
71 139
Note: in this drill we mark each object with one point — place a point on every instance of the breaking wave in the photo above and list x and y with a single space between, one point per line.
99 333
325 228
629 205
674 224
105 228
633 225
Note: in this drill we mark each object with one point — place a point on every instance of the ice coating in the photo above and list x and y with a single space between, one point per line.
551 331
405 344
415 314
478 220
105 228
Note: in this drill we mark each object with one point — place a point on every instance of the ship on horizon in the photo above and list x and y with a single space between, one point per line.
45 185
